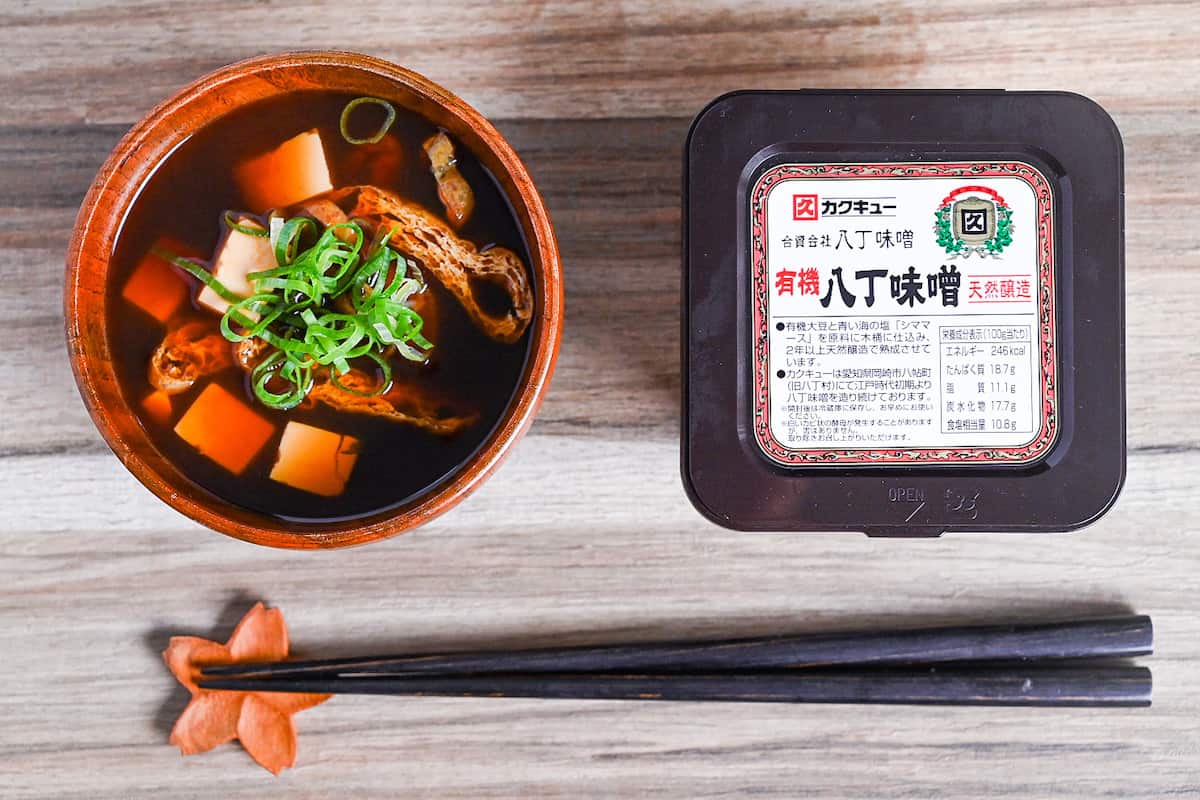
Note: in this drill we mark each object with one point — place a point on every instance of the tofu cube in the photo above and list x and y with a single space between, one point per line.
238 256
224 428
315 460
157 406
294 171
155 287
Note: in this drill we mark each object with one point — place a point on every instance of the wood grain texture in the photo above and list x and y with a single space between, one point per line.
584 535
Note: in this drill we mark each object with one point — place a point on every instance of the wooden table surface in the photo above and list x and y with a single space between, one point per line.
584 534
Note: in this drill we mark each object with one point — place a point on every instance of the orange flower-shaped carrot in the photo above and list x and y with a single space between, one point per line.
262 721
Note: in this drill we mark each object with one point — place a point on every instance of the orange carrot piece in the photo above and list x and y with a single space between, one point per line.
224 428
157 406
380 163
155 286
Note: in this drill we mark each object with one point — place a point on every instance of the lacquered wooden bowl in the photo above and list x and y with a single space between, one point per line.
131 164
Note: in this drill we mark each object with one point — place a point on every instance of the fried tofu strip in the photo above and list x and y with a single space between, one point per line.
404 403
453 189
454 261
328 214
249 352
187 353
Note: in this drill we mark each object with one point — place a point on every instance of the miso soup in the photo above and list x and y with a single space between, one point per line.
319 306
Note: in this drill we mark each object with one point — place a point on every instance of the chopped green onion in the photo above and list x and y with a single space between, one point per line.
297 376
196 271
390 117
292 309
288 241
234 225
274 228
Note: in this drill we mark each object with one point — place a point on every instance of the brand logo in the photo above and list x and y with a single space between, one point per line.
973 219
804 207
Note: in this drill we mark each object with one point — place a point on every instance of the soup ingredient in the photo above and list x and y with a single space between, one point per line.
154 286
188 352
224 428
157 406
315 460
380 163
294 308
454 261
262 721
329 215
293 171
453 189
403 402
246 248
249 353
344 123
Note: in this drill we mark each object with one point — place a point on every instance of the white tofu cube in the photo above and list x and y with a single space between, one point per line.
239 255
295 170
315 460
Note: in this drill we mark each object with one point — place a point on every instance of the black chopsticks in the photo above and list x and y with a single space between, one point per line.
1017 686
1119 637
1033 664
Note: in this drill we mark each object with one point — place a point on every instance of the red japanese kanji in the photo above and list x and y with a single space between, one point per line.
810 281
785 282
804 207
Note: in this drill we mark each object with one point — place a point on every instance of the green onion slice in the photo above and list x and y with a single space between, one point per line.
194 269
390 118
287 243
233 225
292 308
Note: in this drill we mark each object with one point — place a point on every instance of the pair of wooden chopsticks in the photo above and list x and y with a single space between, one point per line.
1034 665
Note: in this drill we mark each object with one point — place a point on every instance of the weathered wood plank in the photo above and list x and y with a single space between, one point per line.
585 535
572 59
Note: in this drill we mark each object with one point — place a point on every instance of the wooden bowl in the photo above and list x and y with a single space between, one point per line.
130 165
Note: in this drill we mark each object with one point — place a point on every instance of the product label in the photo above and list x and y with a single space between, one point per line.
903 313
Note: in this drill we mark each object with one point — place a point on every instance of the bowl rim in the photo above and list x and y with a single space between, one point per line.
101 215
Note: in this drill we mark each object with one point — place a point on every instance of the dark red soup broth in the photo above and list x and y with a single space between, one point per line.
186 199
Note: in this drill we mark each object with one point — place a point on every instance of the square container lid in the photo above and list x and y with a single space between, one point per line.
1018 198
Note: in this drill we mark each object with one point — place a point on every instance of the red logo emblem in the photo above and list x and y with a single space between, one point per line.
804 207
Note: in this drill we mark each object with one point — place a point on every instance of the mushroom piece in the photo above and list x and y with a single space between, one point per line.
454 261
402 402
453 189
187 353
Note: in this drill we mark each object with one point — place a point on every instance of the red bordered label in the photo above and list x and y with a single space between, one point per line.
904 313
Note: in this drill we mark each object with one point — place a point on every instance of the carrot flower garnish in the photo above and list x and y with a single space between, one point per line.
261 721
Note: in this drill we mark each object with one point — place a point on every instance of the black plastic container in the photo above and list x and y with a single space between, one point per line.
903 311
